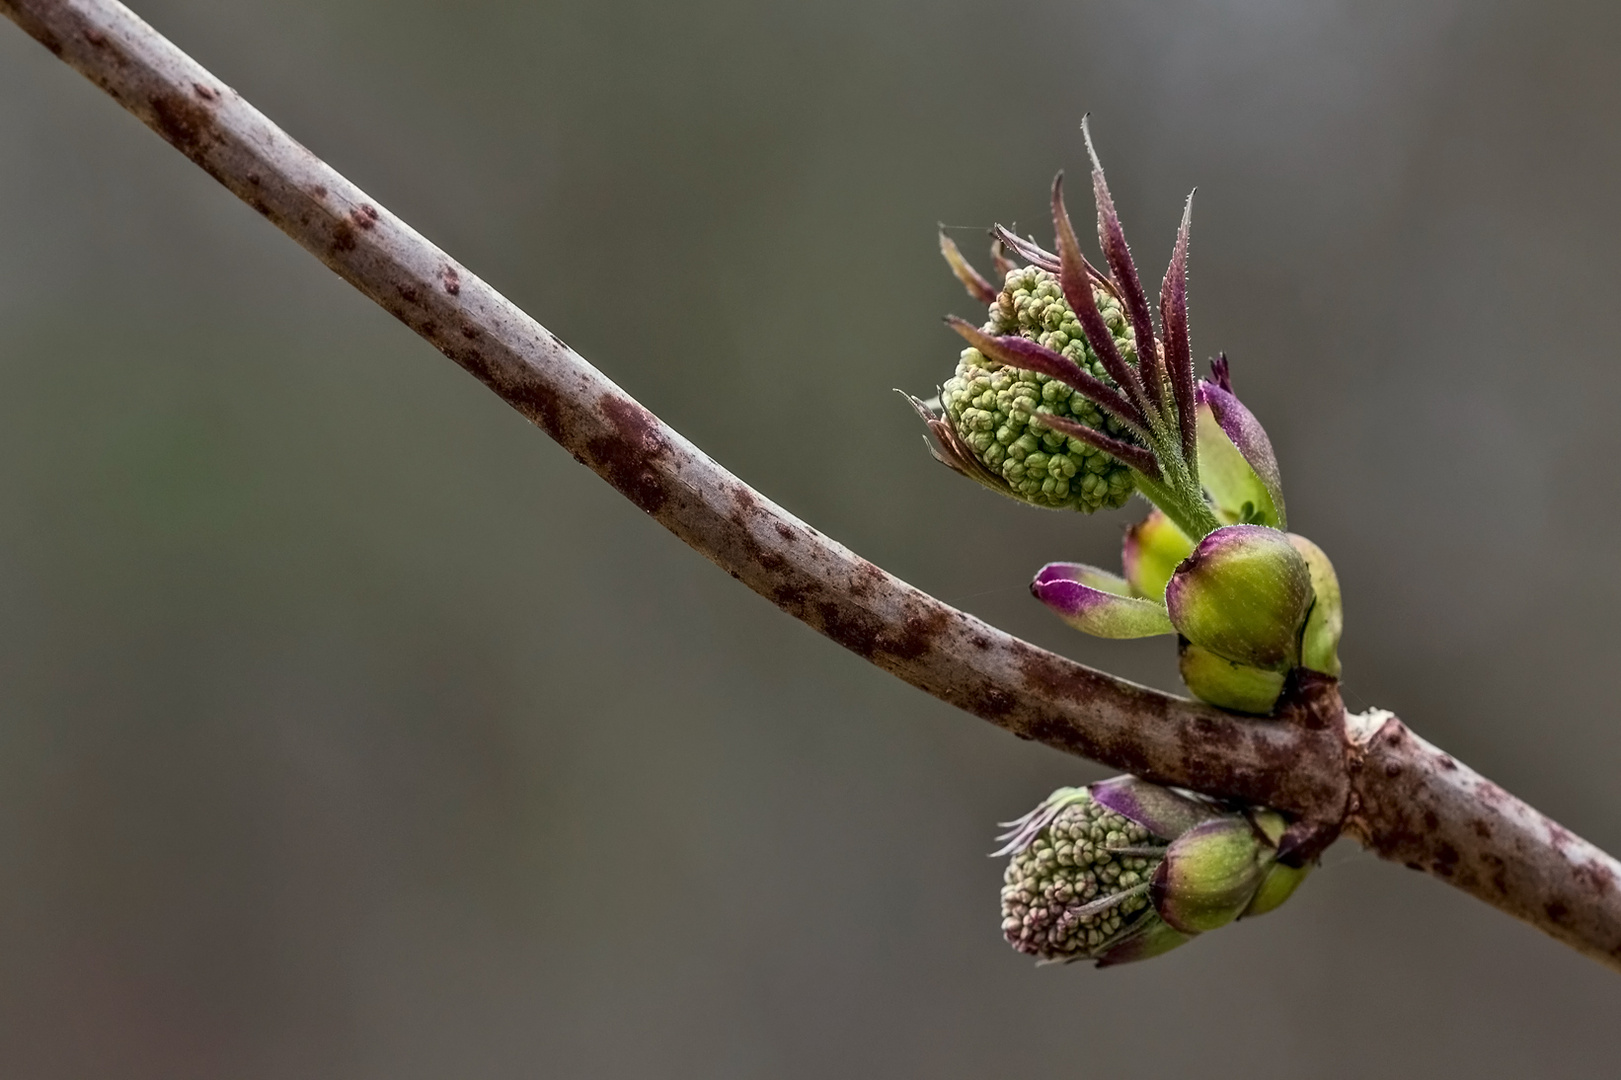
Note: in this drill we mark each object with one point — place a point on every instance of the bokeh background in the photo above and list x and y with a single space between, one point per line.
348 728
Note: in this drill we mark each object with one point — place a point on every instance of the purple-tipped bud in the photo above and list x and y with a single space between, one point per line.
1164 812
1097 602
1151 552
1243 594
1210 874
1222 413
1229 482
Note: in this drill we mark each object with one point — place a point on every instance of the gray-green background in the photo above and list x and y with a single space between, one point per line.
348 728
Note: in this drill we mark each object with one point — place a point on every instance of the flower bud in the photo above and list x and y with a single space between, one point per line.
1160 810
1243 594
995 410
1229 480
1066 894
1236 463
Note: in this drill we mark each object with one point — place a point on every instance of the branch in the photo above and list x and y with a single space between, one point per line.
1401 797
1417 806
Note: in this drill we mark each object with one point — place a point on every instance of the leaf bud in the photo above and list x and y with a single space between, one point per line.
1098 602
1210 874
1243 594
1150 553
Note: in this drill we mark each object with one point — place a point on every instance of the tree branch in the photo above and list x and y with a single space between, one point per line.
1403 798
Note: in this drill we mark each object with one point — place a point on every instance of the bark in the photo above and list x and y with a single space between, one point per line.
1403 798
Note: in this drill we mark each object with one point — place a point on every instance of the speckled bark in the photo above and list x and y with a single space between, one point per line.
1414 804
1303 764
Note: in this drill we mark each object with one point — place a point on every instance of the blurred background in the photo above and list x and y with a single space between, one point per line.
351 729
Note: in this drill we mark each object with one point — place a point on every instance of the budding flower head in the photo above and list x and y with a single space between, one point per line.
1073 887
1126 870
1006 415
1069 396
1069 357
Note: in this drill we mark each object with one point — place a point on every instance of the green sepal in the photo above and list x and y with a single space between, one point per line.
1151 937
1279 884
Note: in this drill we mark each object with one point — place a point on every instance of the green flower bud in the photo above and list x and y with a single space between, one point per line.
1243 594
1235 490
1127 870
1320 640
1236 463
1228 685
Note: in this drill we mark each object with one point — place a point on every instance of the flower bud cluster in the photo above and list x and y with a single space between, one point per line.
996 409
1126 870
1050 885
1070 396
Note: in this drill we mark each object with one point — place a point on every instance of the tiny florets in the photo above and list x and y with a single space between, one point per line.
996 409
1065 868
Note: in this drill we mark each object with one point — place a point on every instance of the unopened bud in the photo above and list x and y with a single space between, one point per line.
1098 602
1243 594
1210 874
